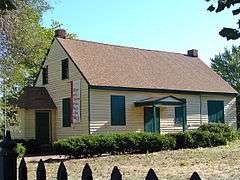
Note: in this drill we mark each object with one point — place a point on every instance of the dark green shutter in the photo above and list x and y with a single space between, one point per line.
65 69
45 75
149 124
42 127
118 115
216 111
66 112
180 115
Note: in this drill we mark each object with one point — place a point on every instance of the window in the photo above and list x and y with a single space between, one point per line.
215 111
65 71
180 115
118 116
66 112
45 75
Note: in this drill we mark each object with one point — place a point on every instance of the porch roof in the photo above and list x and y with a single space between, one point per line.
168 100
35 98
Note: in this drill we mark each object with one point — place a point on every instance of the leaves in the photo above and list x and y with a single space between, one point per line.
221 5
227 65
23 45
7 5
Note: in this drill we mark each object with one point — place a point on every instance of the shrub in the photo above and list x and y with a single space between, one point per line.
184 140
223 129
31 145
216 128
21 150
91 145
120 143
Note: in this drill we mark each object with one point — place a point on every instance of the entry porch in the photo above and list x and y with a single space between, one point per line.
158 111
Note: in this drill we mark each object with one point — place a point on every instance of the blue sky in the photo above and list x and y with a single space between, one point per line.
171 25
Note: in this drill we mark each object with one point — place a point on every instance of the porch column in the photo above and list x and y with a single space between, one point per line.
154 118
184 117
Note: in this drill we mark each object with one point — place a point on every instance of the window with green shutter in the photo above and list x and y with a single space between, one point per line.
118 115
215 111
45 75
65 69
66 112
180 115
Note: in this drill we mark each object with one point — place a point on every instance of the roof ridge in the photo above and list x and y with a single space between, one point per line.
122 46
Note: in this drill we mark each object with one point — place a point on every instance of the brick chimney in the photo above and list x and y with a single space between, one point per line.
192 53
60 33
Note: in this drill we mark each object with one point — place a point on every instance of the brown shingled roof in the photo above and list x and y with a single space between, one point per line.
35 98
118 66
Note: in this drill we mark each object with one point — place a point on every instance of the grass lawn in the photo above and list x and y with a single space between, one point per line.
211 163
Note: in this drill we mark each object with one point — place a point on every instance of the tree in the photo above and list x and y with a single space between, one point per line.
229 33
7 5
23 46
227 65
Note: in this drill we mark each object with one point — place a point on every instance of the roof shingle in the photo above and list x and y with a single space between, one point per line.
35 98
118 66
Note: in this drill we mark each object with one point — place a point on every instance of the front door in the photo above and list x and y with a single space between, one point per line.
42 126
149 124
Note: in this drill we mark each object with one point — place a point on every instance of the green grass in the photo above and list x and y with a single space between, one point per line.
221 162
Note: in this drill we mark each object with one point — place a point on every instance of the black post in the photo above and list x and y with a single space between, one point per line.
87 173
8 158
41 171
22 170
116 174
62 172
151 175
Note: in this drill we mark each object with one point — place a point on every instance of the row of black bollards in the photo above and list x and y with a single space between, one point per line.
86 173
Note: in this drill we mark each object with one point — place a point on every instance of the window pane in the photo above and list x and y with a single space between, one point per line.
216 111
66 112
118 116
45 75
65 73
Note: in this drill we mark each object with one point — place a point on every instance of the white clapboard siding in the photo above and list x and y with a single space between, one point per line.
100 111
59 89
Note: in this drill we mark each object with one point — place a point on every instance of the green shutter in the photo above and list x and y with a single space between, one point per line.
65 69
180 115
216 111
66 112
118 115
45 75
149 124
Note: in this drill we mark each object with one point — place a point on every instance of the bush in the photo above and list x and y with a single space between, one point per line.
223 129
21 150
120 143
31 145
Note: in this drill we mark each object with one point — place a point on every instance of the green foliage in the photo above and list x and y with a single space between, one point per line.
229 33
24 42
121 143
224 130
227 65
21 150
31 145
7 5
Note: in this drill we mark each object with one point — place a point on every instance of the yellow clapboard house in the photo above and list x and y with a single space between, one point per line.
86 87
